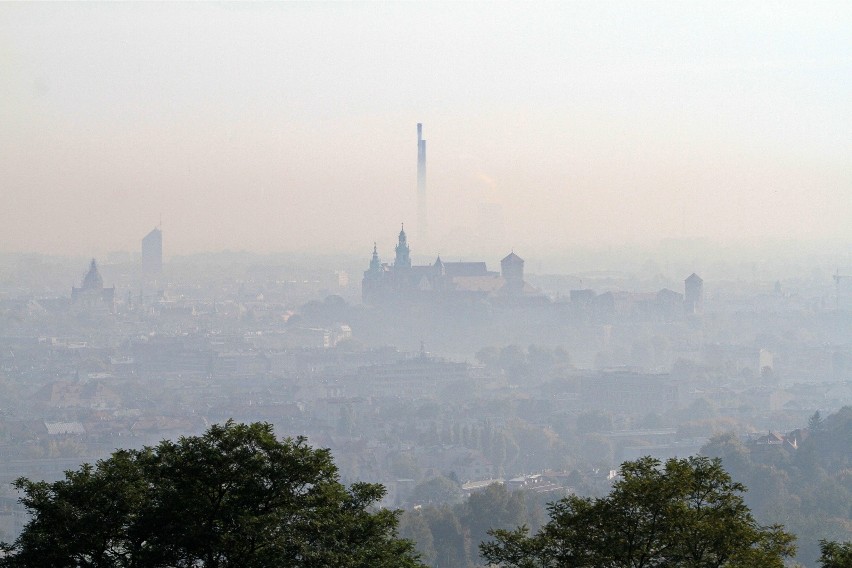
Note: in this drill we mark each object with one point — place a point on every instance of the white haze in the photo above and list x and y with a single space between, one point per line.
291 127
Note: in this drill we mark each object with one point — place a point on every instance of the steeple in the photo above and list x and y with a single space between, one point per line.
438 266
375 263
402 260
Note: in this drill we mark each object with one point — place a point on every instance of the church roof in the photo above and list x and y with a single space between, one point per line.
92 280
465 269
512 258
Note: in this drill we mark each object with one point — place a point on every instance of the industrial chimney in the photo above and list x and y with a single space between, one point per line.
421 185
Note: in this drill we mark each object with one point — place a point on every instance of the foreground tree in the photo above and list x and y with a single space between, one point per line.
235 496
688 513
835 555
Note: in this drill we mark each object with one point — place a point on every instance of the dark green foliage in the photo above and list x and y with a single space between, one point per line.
835 555
436 491
449 536
493 507
688 513
235 496
809 488
413 526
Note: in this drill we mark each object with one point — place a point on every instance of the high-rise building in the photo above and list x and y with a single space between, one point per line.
152 253
421 185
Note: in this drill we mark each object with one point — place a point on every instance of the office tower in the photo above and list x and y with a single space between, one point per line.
152 253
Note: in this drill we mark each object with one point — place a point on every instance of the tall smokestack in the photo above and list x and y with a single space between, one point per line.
421 184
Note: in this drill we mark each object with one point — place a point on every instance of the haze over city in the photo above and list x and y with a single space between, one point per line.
551 126
426 284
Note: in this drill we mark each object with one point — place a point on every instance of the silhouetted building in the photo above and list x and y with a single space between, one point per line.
91 293
693 294
512 269
667 304
152 253
401 281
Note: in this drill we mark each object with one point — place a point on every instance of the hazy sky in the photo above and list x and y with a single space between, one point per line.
277 127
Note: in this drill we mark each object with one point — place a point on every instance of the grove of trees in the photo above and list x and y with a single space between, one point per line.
687 513
808 488
235 496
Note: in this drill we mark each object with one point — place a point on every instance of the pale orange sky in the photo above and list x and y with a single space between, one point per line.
286 127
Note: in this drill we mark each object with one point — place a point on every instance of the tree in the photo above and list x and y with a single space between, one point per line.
835 555
495 506
413 526
437 490
816 422
448 536
235 496
688 513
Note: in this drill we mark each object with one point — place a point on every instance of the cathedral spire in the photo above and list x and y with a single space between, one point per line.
375 263
403 258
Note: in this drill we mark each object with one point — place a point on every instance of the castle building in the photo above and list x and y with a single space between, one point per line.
400 281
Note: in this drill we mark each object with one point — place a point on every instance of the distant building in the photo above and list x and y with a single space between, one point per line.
693 294
512 270
91 293
424 376
152 253
667 304
582 298
629 391
401 281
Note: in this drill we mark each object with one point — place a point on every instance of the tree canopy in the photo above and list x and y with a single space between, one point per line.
234 496
835 554
685 513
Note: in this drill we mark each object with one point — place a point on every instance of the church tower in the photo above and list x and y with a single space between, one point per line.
512 269
402 260
371 285
375 263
